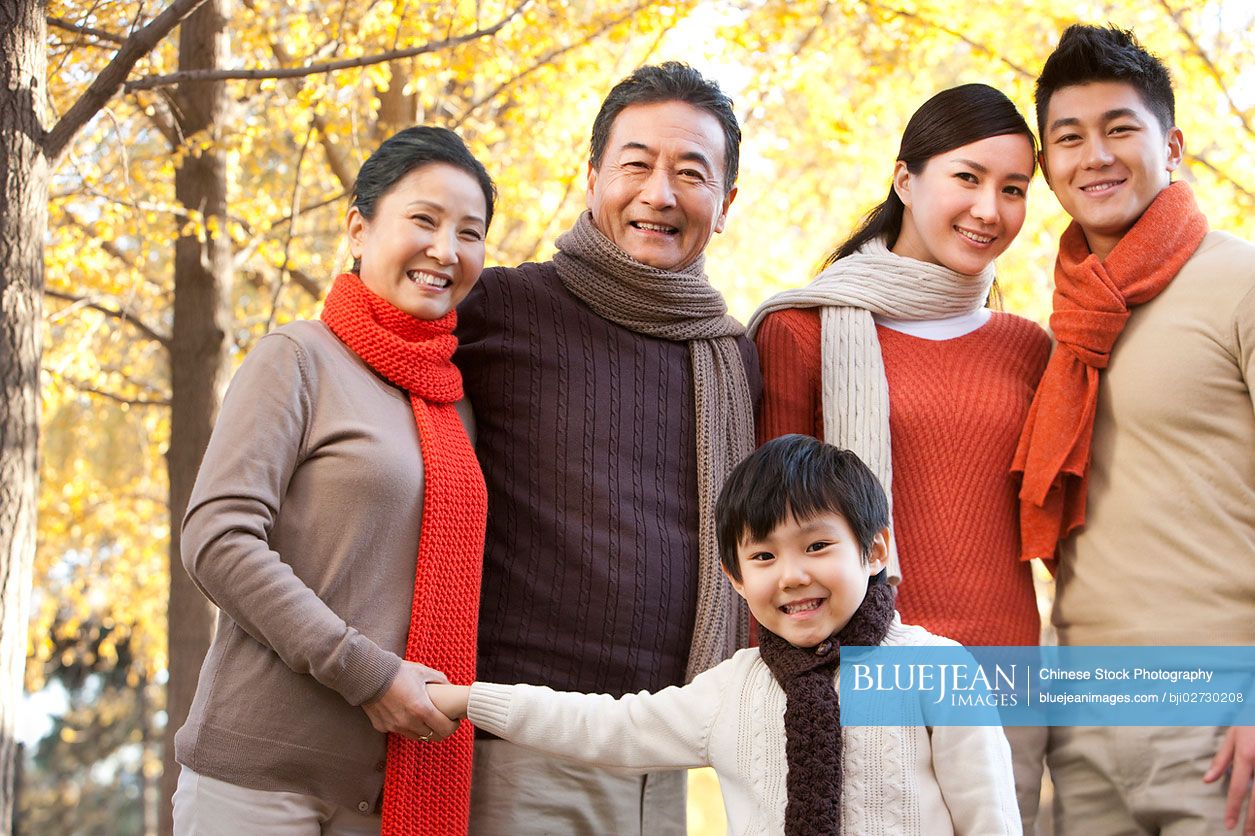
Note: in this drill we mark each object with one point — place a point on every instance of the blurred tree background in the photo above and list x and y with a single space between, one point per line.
203 205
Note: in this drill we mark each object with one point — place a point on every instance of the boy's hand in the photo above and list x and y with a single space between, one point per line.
450 699
1238 751
406 709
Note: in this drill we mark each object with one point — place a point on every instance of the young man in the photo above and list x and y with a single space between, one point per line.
612 395
1139 452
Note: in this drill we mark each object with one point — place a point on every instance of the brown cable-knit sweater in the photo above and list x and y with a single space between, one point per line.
586 437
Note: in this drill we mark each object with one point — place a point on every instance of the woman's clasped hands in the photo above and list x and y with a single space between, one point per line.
406 709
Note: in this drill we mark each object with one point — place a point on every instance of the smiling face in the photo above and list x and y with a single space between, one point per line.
967 205
659 193
1106 158
805 579
424 248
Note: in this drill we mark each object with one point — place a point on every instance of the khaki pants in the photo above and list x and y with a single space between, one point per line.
205 806
518 792
1135 781
1028 762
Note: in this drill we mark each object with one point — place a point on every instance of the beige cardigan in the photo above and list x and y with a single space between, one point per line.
898 781
303 529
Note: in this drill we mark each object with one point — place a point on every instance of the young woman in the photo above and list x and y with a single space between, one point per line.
337 522
893 353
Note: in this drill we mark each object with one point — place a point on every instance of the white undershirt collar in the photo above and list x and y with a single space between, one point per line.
946 328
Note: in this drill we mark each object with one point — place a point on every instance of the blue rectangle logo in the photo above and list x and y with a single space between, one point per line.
1047 686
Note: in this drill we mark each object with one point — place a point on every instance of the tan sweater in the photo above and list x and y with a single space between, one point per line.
898 780
1167 553
303 529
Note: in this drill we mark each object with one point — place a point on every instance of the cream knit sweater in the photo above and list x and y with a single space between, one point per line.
899 781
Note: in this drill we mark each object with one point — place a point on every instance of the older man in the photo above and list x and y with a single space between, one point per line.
612 394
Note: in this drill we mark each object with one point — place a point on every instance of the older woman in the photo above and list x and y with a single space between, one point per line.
337 523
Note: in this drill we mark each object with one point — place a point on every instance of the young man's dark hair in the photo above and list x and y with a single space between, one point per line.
1095 53
670 81
798 476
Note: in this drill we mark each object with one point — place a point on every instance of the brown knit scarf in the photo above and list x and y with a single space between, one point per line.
812 711
427 786
683 307
1091 305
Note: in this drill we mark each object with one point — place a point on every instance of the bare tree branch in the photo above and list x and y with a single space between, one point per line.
98 34
954 33
656 43
805 41
1222 174
327 201
108 246
305 282
122 315
112 77
295 213
177 211
65 48
113 396
246 250
820 22
144 386
161 114
299 278
325 67
543 237
335 156
547 58
1212 70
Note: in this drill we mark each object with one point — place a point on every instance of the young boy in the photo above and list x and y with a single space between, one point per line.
1139 454
802 529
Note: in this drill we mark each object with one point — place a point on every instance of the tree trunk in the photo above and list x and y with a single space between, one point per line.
200 342
149 784
23 226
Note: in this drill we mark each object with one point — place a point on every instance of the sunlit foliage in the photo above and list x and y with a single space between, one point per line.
823 90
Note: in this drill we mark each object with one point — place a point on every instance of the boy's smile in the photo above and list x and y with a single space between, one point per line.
805 579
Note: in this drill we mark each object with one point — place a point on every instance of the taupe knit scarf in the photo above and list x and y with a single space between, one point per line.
855 394
812 712
680 306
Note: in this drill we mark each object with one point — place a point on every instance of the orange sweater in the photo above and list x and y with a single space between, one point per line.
956 408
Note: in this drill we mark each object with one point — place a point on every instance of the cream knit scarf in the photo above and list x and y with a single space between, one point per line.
855 393
680 306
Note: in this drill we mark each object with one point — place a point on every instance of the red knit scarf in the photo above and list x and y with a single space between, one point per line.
427 787
1091 305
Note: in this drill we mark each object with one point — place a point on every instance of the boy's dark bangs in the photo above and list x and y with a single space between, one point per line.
805 491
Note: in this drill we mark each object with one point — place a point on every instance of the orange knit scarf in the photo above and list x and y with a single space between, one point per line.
427 787
1091 305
